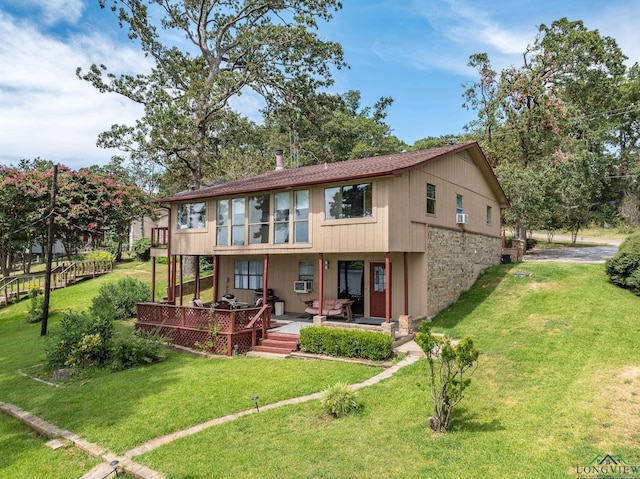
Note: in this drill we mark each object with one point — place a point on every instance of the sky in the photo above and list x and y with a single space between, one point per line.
413 51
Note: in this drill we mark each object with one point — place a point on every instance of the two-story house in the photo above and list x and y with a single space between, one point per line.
401 234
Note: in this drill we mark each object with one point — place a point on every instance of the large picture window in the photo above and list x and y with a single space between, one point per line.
192 216
301 218
248 274
352 201
237 221
259 219
222 223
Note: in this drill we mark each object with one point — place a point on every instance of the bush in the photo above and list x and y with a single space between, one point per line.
36 305
118 300
623 269
339 400
142 248
346 343
80 341
99 255
137 350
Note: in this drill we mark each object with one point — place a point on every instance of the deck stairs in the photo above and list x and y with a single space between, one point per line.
276 343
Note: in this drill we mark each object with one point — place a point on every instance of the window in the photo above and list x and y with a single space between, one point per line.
301 218
489 214
431 199
237 221
222 223
248 275
353 201
192 216
281 218
305 270
459 208
259 219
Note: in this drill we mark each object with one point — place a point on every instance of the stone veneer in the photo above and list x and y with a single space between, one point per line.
454 261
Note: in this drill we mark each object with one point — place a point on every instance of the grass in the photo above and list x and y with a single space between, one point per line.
558 383
122 410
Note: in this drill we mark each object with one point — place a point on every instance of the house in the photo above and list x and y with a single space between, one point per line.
400 236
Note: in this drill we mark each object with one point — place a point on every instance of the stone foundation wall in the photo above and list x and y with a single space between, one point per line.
454 261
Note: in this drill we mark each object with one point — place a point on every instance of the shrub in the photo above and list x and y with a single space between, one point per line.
99 255
339 400
346 343
450 369
142 248
80 341
118 300
623 269
136 350
36 305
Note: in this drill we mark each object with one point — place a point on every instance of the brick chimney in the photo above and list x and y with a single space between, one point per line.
279 163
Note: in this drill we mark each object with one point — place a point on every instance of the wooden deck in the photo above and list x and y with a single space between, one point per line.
63 275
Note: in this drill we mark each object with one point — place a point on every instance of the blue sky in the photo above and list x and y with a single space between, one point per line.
414 51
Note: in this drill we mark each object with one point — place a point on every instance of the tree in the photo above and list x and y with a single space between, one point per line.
449 374
269 47
552 113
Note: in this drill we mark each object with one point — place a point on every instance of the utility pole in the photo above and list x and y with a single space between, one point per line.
50 240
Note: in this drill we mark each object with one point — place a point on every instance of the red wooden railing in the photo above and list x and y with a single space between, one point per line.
221 331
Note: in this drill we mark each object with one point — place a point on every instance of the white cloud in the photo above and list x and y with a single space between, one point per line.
45 110
54 11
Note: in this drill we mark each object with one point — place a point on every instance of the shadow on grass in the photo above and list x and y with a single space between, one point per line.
484 286
465 421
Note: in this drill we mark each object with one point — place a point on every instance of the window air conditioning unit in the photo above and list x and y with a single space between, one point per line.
302 286
462 218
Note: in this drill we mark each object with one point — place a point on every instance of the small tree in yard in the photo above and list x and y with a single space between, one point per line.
450 369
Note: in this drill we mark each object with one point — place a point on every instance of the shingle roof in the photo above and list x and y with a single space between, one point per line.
394 164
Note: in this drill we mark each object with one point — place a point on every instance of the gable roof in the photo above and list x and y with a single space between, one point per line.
395 164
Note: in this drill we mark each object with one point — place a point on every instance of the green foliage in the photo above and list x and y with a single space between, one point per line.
142 248
137 349
346 343
450 368
36 305
99 255
80 341
623 269
118 300
339 400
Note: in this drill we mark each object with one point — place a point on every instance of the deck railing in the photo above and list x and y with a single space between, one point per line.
159 237
220 331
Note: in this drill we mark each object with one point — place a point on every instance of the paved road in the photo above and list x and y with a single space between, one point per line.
594 254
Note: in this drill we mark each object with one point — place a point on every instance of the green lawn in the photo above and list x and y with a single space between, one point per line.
558 384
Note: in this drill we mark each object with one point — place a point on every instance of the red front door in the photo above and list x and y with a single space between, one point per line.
377 290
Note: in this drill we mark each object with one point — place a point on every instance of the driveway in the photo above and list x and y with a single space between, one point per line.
583 254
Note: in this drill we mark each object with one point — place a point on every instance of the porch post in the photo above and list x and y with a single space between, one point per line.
265 279
406 284
181 277
216 276
387 293
321 285
196 291
153 280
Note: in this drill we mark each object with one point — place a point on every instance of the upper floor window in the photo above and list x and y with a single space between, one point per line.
237 221
352 201
259 219
222 223
459 207
192 216
489 214
281 218
431 199
301 216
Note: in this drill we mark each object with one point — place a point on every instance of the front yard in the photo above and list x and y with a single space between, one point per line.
558 384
